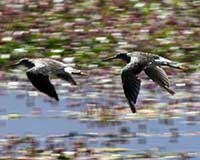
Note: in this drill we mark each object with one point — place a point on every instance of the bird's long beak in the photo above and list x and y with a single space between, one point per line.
14 65
109 59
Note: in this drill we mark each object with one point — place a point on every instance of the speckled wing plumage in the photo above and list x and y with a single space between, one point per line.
131 86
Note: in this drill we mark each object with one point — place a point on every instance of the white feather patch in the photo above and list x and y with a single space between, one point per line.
69 69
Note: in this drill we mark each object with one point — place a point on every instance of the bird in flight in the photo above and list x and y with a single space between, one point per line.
137 62
39 70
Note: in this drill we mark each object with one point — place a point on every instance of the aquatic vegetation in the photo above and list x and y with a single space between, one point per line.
35 29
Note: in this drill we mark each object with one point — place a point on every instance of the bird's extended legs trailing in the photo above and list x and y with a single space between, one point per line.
165 62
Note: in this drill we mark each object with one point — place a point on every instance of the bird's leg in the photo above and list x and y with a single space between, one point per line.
178 66
165 62
79 73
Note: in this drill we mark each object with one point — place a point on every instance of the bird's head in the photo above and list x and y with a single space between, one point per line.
123 56
25 62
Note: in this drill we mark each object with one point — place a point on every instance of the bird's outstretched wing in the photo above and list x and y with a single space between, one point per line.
159 76
131 86
42 83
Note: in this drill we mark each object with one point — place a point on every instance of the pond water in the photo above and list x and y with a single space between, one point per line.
95 113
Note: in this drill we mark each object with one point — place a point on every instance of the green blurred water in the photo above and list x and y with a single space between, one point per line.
88 30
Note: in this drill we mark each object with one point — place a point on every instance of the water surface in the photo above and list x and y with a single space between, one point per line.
96 114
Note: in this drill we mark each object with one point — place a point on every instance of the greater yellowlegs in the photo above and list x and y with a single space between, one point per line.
39 70
151 65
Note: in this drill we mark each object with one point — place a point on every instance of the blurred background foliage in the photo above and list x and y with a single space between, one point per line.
89 30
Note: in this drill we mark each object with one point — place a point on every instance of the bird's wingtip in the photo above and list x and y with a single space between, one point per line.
171 91
75 84
133 109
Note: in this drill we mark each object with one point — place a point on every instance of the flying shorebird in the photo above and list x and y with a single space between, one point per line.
137 62
39 70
